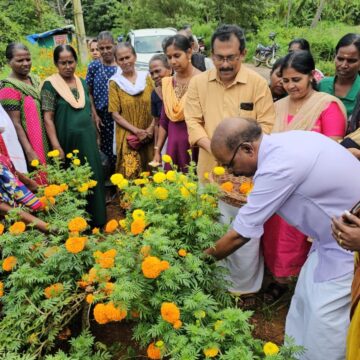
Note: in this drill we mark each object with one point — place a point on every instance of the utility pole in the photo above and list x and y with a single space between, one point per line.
80 31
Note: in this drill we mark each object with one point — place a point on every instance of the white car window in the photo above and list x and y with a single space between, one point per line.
149 44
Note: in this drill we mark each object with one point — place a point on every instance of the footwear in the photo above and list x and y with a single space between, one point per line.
247 302
274 292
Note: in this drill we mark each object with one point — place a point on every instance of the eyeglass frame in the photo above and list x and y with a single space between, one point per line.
221 59
230 164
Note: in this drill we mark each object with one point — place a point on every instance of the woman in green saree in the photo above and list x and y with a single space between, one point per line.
67 115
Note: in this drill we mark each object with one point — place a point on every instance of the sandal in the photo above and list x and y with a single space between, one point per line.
247 302
274 292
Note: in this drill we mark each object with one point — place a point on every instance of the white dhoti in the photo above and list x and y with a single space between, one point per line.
318 317
245 265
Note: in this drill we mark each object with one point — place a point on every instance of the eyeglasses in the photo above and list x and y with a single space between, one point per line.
221 59
230 164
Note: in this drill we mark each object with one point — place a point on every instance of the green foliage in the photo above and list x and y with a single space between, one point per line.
9 31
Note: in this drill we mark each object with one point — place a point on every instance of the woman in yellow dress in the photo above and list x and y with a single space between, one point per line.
130 106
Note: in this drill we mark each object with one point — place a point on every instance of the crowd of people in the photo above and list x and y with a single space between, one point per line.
298 137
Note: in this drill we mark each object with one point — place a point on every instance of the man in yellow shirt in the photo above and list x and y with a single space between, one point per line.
226 91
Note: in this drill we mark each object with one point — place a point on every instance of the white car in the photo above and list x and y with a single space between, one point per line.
147 43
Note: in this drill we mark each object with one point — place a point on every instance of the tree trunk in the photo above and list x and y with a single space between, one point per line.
318 14
288 13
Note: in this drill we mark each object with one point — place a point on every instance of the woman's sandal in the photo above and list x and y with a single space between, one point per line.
274 292
247 302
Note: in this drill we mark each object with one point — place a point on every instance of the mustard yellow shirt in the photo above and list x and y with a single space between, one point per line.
209 102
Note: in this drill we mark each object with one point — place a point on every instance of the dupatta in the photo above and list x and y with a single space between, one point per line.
173 106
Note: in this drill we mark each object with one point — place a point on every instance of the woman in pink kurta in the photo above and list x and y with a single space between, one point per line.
285 248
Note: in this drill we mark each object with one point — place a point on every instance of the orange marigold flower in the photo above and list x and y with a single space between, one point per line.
83 284
75 244
137 226
114 313
95 231
177 324
1 289
182 252
77 224
153 352
111 226
151 267
2 227
246 187
109 288
89 298
145 250
105 260
170 312
100 314
64 187
53 290
9 263
227 186
17 228
211 352
53 190
164 265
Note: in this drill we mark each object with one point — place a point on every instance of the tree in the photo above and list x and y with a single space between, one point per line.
317 16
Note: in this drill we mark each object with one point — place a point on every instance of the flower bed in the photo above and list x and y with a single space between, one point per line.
148 268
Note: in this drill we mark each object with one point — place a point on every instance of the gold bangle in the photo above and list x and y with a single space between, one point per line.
156 148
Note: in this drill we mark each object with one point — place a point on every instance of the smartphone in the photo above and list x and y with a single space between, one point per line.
354 211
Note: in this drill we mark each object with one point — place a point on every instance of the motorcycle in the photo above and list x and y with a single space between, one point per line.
267 54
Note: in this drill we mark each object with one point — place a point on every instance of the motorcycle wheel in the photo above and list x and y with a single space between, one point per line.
270 61
257 62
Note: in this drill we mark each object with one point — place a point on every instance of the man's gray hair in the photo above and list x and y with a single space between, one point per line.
251 133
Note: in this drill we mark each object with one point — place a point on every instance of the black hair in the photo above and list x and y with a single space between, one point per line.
181 42
186 27
60 48
162 58
348 39
105 35
302 61
252 132
277 64
10 49
303 43
224 32
125 45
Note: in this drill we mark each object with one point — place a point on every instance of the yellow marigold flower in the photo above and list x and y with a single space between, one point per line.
153 352
145 174
92 183
218 170
123 223
182 252
53 153
1 289
95 231
145 250
151 267
138 182
171 175
170 312
270 348
83 188
161 193
227 186
137 226
9 263
77 224
184 192
159 177
76 151
206 175
191 187
218 324
211 352
35 163
64 187
246 187
116 178
183 178
89 298
53 190
2 227
75 244
159 344
100 314
111 226
76 162
138 214
17 228
123 184
177 324
69 155
144 191
53 290
166 159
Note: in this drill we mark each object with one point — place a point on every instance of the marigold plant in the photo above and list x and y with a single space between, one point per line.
227 186
53 290
211 352
1 289
138 226
138 214
182 252
166 159
246 187
53 190
170 312
9 263
77 224
270 348
218 170
75 244
17 228
106 259
161 193
2 227
152 267
111 226
153 352
159 177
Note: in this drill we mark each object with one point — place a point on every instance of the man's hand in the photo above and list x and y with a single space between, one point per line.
347 235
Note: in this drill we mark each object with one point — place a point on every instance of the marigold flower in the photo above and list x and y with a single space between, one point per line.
137 226
246 187
75 151
145 174
75 244
17 228
184 192
159 344
95 231
2 227
69 155
109 288
171 175
227 186
138 214
9 263
183 178
91 183
64 187
1 289
218 324
123 223
161 193
100 314
270 348
191 187
159 177
211 352
77 224
166 159
54 153
116 178
123 184
151 267
76 162
53 290
164 265
145 250
144 191
138 182
135 314
182 252
35 163
170 312
114 313
53 190
106 260
83 188
46 202
177 324
111 226
153 352
218 170
51 251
